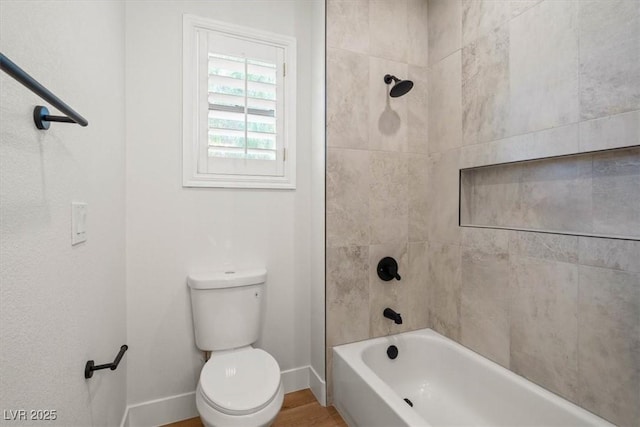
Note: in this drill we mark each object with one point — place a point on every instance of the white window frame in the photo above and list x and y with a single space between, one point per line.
192 126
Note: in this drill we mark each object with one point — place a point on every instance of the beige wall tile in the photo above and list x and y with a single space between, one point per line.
445 28
329 373
388 117
490 153
445 104
417 111
388 198
609 57
347 99
417 18
609 344
496 199
347 197
443 183
348 26
609 253
347 294
486 241
484 302
389 37
543 64
557 141
385 294
485 86
518 7
616 193
467 186
553 247
544 325
412 290
481 17
556 195
617 131
418 179
552 142
444 289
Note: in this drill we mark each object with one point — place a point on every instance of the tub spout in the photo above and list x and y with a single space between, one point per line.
390 314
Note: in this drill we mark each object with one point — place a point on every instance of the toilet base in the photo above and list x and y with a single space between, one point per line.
211 417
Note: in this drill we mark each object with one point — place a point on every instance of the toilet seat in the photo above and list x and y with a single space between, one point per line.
240 382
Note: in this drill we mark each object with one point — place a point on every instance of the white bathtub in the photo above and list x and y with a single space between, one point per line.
448 384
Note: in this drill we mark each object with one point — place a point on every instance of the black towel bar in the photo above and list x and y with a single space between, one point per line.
40 114
90 366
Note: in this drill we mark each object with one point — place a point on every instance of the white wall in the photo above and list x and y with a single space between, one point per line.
172 230
62 305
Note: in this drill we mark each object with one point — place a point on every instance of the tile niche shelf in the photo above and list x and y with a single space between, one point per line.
588 194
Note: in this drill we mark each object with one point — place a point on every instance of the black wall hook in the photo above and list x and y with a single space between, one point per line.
90 366
388 269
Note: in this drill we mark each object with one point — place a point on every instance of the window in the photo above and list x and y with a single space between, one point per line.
238 106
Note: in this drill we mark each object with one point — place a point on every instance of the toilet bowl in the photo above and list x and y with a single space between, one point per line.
240 388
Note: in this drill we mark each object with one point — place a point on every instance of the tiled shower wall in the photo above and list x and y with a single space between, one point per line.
376 168
506 80
515 80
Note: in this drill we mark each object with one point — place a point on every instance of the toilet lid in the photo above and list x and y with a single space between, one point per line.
240 382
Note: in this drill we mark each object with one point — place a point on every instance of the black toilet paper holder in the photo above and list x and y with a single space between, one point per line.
90 366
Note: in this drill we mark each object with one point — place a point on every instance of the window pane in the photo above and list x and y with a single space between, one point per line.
242 124
227 138
219 99
226 120
261 90
261 63
261 140
259 118
216 123
262 104
225 67
226 85
261 127
262 74
261 155
228 153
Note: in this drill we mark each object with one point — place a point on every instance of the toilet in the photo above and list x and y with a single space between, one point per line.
239 385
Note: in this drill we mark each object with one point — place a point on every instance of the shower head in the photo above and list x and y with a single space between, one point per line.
400 87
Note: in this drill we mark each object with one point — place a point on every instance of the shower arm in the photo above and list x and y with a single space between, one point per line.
388 79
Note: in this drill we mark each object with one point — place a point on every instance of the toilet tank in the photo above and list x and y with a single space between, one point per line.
227 307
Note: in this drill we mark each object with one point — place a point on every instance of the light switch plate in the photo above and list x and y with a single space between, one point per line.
78 222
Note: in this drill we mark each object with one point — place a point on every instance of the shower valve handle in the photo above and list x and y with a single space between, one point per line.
388 269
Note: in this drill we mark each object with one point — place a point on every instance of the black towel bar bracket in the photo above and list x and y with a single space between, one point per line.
91 366
43 120
41 115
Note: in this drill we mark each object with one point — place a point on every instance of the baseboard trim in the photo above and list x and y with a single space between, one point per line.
183 406
162 411
295 379
318 386
125 418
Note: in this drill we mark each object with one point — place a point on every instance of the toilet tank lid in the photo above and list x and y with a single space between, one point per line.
226 278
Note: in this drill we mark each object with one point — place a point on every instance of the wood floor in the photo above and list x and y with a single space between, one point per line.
299 409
